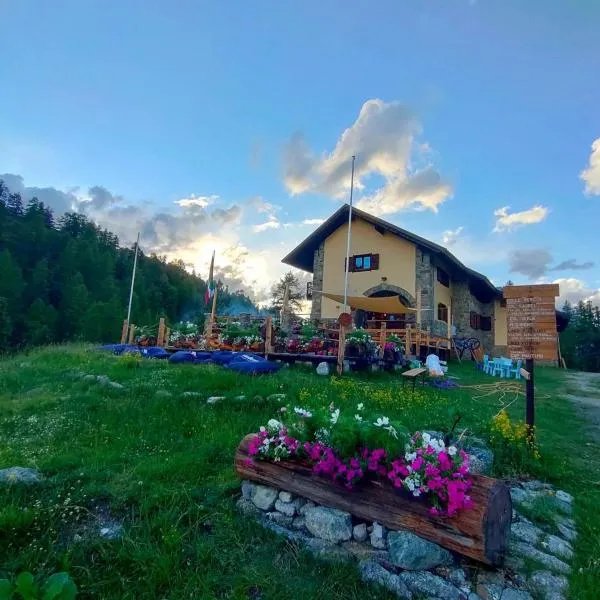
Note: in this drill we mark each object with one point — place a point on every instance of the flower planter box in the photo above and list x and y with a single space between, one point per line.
480 533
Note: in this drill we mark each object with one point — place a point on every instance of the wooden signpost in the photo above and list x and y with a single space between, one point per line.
531 333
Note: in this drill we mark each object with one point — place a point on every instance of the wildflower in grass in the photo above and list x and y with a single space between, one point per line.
360 406
358 418
335 415
303 412
381 422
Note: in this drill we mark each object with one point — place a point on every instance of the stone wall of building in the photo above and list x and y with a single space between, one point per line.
463 303
318 263
425 279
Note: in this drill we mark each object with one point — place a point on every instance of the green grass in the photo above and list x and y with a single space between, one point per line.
164 466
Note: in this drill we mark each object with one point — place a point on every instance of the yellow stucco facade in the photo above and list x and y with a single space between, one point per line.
396 263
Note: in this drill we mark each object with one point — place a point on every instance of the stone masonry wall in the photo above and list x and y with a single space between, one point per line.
425 283
463 302
318 262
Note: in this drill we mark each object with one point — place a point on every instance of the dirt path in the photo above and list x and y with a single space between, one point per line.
583 389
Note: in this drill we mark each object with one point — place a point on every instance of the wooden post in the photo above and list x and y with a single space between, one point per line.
131 334
160 338
167 335
341 350
213 310
382 337
124 331
268 336
530 399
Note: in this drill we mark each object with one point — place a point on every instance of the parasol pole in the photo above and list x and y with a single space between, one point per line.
349 238
137 243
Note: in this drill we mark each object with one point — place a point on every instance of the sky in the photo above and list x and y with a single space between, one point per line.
230 126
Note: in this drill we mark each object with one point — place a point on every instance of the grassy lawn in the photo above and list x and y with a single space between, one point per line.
163 466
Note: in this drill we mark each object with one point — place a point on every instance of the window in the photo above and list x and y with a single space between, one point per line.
442 312
475 320
364 262
443 277
485 323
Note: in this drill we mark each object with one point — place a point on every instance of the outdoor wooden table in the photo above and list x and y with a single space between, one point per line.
413 374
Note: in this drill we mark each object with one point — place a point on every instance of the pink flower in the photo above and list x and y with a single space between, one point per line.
445 462
417 463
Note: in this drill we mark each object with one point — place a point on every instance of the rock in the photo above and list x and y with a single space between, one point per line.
306 506
276 398
457 577
371 572
545 583
247 487
365 552
214 399
359 532
299 523
409 551
14 475
298 503
293 536
115 385
247 507
519 495
424 582
568 533
566 521
323 369
239 398
114 531
564 502
163 394
490 591
515 516
89 377
103 379
557 546
329 524
378 536
474 596
264 497
285 496
438 435
280 518
514 594
287 508
328 551
547 560
191 394
481 460
516 563
526 532
536 486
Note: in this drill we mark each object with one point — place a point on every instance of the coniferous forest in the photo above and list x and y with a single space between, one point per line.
67 279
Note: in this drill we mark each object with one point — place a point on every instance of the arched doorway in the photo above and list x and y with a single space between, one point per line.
392 321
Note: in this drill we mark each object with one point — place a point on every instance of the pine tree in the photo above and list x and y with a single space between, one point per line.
295 296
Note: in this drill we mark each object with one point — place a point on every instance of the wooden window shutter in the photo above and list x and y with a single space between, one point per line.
374 262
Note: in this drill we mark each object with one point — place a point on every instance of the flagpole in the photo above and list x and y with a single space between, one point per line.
349 238
137 243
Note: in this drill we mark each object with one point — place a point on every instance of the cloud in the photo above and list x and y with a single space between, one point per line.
201 201
531 263
59 201
450 236
591 174
506 221
313 221
258 203
384 140
574 290
572 265
271 223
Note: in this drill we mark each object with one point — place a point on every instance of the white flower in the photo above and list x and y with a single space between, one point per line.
426 438
410 456
416 493
358 418
452 450
302 412
335 415
360 406
410 484
392 431
274 425
381 422
262 429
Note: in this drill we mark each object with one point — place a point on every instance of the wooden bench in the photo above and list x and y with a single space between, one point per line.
413 374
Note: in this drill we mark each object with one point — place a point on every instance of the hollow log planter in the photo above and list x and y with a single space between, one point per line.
481 533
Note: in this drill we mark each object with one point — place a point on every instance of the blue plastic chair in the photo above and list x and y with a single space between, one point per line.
486 363
516 370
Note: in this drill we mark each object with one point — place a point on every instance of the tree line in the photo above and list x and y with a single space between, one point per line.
68 279
580 341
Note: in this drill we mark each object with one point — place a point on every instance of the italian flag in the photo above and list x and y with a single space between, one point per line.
210 287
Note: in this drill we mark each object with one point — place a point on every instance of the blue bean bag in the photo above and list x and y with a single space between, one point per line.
154 352
252 364
182 356
223 357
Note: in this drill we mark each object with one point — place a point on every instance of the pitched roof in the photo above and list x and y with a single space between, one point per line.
302 256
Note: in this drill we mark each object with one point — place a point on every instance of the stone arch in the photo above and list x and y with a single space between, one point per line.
406 297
